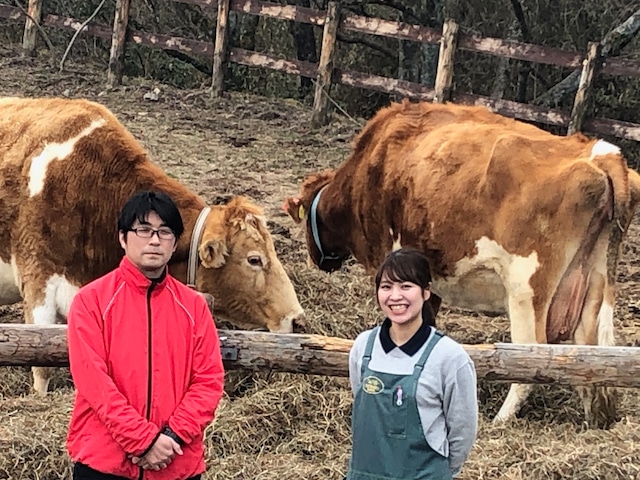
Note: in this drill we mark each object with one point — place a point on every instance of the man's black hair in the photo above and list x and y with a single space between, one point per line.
142 203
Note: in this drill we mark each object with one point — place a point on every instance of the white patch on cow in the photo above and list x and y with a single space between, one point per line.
603 148
496 281
397 243
58 294
55 151
287 323
491 281
606 335
9 291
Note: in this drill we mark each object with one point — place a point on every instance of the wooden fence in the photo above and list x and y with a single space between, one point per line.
22 345
325 73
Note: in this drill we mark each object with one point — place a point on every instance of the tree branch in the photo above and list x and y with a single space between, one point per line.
344 112
75 35
407 12
519 13
612 45
523 67
202 67
367 43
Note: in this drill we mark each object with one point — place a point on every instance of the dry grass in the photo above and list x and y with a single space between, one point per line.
284 426
297 426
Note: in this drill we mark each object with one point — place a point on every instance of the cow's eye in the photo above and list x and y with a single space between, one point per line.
255 261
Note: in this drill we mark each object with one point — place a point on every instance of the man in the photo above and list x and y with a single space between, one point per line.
145 359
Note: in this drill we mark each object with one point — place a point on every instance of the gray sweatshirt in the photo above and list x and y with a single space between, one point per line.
447 395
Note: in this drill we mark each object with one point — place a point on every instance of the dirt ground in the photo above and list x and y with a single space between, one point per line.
281 426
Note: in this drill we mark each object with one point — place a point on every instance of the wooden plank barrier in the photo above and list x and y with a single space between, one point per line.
23 345
373 26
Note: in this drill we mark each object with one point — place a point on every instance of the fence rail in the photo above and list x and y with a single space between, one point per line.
24 345
327 73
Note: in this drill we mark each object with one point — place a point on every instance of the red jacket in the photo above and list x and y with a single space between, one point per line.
141 358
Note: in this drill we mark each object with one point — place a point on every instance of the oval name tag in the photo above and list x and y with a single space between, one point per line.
372 385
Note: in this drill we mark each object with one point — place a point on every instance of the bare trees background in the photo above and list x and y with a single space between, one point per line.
566 24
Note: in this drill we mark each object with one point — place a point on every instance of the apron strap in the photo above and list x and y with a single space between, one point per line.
367 351
436 336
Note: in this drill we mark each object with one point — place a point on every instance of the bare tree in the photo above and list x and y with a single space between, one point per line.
518 30
612 45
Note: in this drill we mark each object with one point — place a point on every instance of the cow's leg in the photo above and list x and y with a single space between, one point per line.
518 393
596 328
41 307
39 315
41 375
523 330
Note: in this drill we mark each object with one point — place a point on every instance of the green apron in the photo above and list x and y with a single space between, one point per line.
388 440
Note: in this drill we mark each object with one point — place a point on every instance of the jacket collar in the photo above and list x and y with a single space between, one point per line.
137 279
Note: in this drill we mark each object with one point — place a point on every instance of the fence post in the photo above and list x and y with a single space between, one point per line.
30 28
325 67
444 76
220 49
118 39
590 66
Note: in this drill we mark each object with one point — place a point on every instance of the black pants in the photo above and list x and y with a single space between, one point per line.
85 472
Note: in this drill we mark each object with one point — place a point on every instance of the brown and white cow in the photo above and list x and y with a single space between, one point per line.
66 169
513 220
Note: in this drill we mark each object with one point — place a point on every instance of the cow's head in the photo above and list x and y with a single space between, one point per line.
239 267
326 247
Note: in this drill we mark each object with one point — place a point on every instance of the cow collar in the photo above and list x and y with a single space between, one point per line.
192 264
313 220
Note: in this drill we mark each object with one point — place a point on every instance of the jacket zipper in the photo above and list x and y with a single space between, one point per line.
150 364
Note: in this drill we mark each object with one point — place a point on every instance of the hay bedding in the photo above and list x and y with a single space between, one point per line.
283 426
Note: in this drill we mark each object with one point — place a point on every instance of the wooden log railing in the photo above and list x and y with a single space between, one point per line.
23 345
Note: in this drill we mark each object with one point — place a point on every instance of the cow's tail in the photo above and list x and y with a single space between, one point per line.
600 403
634 189
626 193
619 179
625 187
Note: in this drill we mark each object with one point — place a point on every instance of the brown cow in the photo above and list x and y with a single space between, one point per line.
67 167
513 219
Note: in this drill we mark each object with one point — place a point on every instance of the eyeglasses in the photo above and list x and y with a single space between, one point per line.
148 232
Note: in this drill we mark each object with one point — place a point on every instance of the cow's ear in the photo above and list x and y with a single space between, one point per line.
212 252
295 209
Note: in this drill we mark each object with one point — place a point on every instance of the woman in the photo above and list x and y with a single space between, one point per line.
415 411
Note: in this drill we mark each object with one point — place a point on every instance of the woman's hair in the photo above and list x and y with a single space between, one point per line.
408 265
